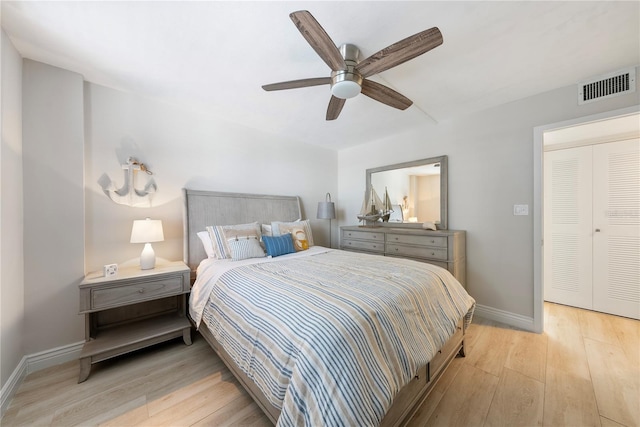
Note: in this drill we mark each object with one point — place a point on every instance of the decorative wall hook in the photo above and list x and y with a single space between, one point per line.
128 194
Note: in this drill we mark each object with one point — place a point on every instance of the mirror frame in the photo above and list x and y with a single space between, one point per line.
444 188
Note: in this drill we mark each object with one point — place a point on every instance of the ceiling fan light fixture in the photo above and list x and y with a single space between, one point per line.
345 89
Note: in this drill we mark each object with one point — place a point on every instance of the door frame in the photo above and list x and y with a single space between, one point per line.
538 185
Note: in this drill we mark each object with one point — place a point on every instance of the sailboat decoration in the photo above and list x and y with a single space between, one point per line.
373 208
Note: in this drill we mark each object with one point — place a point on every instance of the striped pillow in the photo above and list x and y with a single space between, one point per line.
278 245
220 234
245 247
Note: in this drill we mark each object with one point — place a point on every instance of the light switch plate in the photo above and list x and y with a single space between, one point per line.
110 270
521 209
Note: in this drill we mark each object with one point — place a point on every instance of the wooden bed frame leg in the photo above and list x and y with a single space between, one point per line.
461 352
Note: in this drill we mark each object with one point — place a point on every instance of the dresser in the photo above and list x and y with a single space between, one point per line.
445 248
134 309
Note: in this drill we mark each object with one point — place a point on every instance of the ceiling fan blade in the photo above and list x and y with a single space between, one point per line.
295 84
385 95
318 39
335 107
400 52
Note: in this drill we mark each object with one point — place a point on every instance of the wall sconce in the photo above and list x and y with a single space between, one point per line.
327 210
147 231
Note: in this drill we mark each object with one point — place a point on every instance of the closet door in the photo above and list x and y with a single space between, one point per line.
568 227
616 228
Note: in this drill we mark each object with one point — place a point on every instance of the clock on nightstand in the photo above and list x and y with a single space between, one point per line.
132 310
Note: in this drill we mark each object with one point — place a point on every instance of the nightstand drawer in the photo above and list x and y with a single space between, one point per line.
437 241
363 235
417 251
363 245
135 292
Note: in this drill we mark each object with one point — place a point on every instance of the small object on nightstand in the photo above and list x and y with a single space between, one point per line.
110 270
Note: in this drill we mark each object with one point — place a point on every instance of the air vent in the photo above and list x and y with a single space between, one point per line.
607 86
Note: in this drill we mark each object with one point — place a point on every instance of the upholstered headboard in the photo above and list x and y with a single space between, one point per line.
204 208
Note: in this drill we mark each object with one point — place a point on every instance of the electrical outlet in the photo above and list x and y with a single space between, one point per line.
110 270
521 209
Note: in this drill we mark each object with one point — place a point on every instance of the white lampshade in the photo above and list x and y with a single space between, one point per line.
147 231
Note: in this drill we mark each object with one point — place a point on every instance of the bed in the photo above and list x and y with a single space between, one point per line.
298 384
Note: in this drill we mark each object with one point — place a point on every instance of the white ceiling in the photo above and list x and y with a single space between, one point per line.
214 56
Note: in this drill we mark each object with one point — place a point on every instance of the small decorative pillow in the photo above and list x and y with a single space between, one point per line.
300 232
266 229
278 245
206 242
245 247
220 234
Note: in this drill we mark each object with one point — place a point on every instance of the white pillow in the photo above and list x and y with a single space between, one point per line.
206 242
266 229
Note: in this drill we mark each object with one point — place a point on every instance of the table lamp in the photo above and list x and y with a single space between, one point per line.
147 231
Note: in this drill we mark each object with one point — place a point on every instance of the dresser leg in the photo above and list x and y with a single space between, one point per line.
186 336
85 369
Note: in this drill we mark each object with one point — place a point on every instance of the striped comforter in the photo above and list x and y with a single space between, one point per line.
329 336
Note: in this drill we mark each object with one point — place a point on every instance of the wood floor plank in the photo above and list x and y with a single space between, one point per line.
491 349
197 408
242 411
467 400
616 382
130 418
518 401
528 354
598 326
569 400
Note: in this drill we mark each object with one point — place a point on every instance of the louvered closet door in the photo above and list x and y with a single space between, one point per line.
568 227
616 214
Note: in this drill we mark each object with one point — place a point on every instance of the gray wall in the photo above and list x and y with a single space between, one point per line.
11 231
185 149
53 126
490 170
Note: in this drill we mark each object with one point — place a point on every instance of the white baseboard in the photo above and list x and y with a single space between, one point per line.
506 317
35 362
54 356
11 386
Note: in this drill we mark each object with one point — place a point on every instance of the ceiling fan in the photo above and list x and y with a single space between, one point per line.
348 74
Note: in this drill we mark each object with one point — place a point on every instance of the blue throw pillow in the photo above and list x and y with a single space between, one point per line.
278 245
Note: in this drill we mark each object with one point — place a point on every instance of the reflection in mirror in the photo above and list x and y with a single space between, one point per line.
417 191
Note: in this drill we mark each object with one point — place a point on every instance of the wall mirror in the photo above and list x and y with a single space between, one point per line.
417 191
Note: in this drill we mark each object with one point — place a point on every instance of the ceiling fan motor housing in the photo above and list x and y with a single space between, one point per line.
347 83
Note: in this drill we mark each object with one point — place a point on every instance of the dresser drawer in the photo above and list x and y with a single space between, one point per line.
416 251
363 235
438 361
363 245
437 241
132 293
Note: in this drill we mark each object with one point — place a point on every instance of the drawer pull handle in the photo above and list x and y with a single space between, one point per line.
417 377
397 249
141 291
433 241
433 253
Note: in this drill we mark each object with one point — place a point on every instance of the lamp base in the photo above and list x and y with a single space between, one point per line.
147 257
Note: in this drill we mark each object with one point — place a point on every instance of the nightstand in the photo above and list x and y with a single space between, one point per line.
135 309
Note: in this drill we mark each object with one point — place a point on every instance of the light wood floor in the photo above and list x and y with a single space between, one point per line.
583 371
